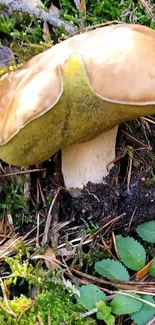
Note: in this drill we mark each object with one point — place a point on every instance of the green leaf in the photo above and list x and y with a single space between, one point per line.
122 304
131 252
89 295
112 269
152 269
147 231
146 313
103 310
110 320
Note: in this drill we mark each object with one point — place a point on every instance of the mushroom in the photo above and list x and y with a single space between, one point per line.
73 97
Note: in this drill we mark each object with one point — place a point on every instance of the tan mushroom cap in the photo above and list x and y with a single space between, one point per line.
83 86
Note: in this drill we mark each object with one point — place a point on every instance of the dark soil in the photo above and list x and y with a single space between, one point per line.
102 202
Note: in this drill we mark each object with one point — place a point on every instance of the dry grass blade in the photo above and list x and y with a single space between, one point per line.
49 317
111 222
32 303
137 298
137 141
40 319
49 219
9 247
147 8
9 310
56 264
25 172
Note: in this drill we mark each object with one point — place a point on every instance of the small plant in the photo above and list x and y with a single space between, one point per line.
7 24
14 199
51 296
140 307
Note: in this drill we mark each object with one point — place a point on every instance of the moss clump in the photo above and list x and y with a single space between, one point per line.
51 296
25 51
12 66
58 302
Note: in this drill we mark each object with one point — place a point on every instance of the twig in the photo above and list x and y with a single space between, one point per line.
147 9
24 172
136 140
16 5
137 298
77 5
49 219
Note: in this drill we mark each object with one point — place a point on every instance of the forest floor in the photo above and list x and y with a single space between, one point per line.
43 229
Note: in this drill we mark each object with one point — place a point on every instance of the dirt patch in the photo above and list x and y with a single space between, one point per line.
134 197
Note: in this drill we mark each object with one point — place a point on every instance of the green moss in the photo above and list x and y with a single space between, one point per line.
12 66
57 301
27 51
51 295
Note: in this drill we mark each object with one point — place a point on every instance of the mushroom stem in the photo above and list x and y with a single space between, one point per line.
87 162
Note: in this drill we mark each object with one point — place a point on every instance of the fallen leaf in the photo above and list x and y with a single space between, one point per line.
51 264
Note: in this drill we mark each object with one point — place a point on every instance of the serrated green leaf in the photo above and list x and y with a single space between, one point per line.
89 295
146 313
122 305
147 231
112 269
152 269
131 252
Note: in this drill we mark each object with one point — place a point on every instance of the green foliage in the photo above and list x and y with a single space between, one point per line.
146 313
147 231
7 24
61 306
51 295
58 301
122 304
127 11
112 269
131 252
104 313
133 255
92 298
89 295
152 269
14 199
18 306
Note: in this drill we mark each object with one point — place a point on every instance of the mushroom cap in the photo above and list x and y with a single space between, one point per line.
78 89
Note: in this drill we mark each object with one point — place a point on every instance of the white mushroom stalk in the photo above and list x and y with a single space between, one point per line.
88 162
